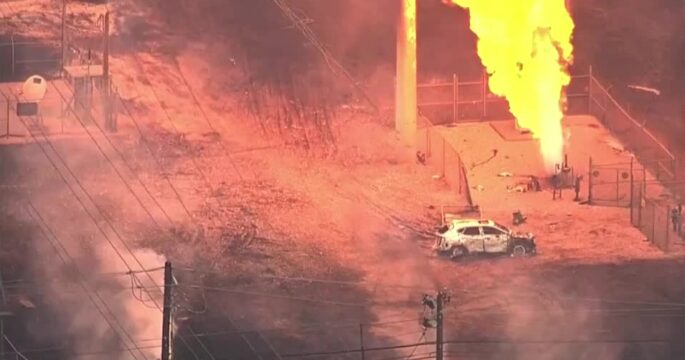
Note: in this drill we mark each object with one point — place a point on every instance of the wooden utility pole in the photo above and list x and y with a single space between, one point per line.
361 340
166 313
438 330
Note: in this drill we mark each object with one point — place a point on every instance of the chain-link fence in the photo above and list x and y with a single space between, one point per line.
632 134
21 57
659 219
468 99
611 184
446 159
654 209
652 217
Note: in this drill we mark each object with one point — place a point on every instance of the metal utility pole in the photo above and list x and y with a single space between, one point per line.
166 313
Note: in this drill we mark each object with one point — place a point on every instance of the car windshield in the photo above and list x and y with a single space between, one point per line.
502 227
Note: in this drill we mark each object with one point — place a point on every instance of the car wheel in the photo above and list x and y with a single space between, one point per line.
519 250
458 252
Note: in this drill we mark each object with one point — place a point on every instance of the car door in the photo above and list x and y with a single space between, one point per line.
494 239
473 239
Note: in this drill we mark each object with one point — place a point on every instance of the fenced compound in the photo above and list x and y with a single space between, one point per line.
457 101
81 93
61 111
639 185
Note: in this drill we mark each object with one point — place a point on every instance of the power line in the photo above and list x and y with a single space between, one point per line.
603 300
350 351
131 190
306 328
333 64
97 224
285 297
86 353
673 310
423 335
174 127
157 162
483 342
109 160
193 160
209 123
310 280
37 216
419 356
14 348
16 282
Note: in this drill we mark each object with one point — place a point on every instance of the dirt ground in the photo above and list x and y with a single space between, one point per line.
297 247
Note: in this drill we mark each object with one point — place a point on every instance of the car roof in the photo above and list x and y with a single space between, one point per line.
463 223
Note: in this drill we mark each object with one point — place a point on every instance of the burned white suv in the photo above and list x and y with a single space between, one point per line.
462 237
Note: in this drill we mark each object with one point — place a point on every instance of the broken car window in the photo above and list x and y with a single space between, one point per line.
472 231
488 230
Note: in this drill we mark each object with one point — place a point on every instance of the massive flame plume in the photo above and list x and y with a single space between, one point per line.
525 46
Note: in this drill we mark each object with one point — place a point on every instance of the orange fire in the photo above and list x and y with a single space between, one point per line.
525 46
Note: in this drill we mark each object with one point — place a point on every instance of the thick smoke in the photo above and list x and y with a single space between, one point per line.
117 311
105 309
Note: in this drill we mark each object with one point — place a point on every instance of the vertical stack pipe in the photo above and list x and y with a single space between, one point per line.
405 81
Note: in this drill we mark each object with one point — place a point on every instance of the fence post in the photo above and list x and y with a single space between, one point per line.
653 223
639 213
668 232
632 197
589 182
13 55
428 142
7 99
589 91
455 98
644 181
618 186
443 156
461 173
485 93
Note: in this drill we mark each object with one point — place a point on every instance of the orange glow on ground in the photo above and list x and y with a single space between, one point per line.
525 45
